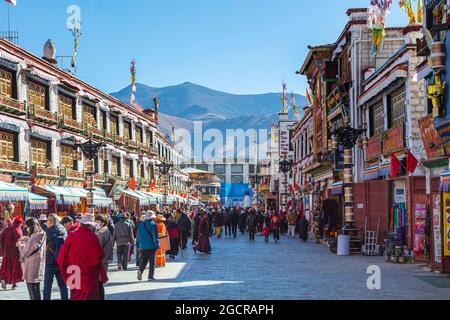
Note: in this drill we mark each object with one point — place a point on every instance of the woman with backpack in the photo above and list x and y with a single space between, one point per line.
32 249
56 235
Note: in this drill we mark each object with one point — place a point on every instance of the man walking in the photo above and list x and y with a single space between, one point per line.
234 222
251 225
56 235
292 222
123 237
218 223
148 243
184 223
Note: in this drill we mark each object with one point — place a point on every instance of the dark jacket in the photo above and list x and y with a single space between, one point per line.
251 220
184 223
219 220
234 217
55 233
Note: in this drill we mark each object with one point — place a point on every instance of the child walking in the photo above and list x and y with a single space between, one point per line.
266 232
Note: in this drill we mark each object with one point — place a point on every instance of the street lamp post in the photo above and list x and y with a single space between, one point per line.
90 151
285 167
347 137
164 169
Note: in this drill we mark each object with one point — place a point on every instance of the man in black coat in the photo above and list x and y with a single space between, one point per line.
251 225
185 226
234 222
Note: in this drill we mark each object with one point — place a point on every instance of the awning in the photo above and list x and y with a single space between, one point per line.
11 192
337 188
384 169
143 200
63 195
153 199
100 199
37 202
372 172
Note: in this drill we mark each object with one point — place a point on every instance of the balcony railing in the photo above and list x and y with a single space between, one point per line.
11 105
118 139
96 132
71 124
72 174
11 166
43 115
47 171
132 144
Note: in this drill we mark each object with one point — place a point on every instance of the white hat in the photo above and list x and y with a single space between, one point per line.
150 215
88 219
43 217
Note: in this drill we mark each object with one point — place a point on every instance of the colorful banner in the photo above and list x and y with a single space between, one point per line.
419 234
431 140
394 140
374 148
447 224
443 130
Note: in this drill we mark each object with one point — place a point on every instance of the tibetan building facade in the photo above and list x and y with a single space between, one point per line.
384 94
45 112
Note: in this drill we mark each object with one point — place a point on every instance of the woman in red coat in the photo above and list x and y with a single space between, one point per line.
82 249
203 240
11 269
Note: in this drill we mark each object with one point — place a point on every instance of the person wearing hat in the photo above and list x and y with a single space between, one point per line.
11 270
164 242
82 249
147 242
43 221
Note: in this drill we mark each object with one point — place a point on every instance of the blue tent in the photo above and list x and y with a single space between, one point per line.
234 193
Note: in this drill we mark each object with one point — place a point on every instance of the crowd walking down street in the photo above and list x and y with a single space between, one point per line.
214 261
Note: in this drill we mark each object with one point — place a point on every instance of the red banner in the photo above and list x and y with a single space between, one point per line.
374 148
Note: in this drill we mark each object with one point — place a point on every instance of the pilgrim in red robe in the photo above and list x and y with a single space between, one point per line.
11 269
82 248
203 240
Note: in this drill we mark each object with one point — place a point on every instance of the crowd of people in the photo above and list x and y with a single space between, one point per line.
77 250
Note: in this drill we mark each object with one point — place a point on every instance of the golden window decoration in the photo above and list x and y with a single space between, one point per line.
114 125
141 171
67 157
7 146
66 106
138 134
127 130
37 95
90 116
149 137
39 151
397 108
128 168
6 83
102 120
115 165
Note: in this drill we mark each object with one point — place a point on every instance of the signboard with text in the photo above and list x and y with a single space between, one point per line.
394 140
374 148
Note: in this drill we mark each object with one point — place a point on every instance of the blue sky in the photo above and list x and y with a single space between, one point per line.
237 46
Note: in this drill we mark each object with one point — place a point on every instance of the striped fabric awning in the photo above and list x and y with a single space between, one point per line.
143 200
384 169
37 202
152 199
100 199
445 181
64 195
337 188
372 172
12 192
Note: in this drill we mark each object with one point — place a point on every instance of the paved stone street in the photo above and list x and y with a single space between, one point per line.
238 269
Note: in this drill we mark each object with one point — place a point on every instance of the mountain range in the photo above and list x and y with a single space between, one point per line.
181 105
